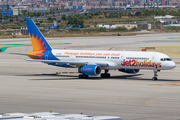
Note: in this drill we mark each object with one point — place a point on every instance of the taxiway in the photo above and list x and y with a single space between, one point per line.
34 87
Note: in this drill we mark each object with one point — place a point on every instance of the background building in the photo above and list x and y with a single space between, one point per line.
165 2
4 6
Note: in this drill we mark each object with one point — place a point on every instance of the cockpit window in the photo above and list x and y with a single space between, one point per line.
166 59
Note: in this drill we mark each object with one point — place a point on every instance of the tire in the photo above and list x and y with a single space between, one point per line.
102 75
154 78
80 76
83 76
86 76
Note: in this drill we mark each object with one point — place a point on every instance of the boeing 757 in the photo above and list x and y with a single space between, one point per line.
92 62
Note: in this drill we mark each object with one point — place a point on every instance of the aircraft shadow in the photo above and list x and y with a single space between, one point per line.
54 75
132 77
75 77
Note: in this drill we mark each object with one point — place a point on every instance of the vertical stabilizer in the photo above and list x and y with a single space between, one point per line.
39 43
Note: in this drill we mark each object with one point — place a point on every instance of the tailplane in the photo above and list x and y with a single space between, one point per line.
39 43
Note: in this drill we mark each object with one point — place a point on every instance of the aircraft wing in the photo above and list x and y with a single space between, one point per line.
68 62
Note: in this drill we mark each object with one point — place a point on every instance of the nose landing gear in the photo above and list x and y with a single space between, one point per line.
155 75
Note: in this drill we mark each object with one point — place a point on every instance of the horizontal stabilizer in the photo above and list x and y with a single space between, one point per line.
38 56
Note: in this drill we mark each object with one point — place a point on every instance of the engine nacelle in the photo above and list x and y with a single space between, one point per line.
129 70
90 70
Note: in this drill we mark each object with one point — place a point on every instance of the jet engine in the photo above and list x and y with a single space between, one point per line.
90 70
129 70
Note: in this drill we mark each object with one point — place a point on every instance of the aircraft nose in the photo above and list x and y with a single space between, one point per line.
173 65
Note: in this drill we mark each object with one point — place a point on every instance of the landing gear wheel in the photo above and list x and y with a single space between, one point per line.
104 75
83 76
155 75
155 78
87 76
80 76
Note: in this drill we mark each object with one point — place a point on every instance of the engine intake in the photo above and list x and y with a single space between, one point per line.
90 70
129 70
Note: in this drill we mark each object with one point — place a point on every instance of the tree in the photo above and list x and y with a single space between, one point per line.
21 21
38 14
80 22
129 14
89 16
46 13
28 13
32 14
97 13
80 16
51 12
73 20
11 20
49 19
63 17
6 16
24 12
113 15
53 19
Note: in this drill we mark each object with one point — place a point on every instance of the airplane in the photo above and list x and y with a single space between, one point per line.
92 62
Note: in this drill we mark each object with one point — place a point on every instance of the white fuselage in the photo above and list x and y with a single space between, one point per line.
117 59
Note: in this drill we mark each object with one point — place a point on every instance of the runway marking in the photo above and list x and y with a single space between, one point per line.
155 117
173 84
147 103
173 38
3 47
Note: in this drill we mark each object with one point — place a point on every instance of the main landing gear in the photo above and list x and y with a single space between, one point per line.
155 75
82 76
105 75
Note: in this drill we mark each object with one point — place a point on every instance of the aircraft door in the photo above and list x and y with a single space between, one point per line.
72 57
154 60
122 57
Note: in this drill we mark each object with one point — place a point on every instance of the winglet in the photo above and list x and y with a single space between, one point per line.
39 43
